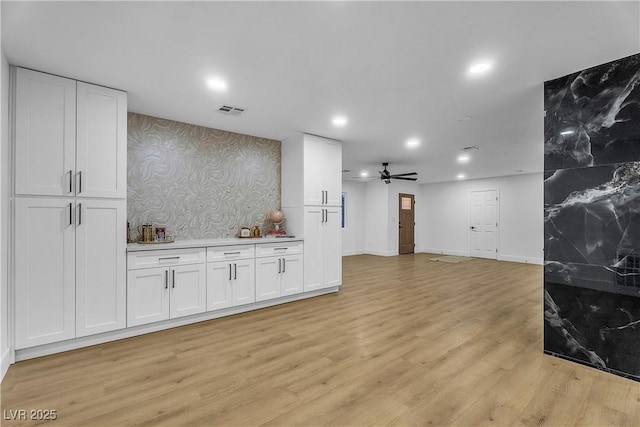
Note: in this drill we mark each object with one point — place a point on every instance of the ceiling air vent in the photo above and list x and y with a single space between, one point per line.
231 110
471 148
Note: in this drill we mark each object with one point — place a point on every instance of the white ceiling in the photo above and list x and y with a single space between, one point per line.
395 69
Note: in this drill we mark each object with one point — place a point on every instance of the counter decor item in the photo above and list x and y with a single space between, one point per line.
145 233
161 233
245 232
277 217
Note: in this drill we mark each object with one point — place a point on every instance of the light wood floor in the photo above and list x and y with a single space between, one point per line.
407 341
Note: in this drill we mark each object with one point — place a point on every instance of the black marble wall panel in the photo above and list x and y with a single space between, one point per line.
592 217
592 117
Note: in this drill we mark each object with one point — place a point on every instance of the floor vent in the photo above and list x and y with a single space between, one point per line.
231 110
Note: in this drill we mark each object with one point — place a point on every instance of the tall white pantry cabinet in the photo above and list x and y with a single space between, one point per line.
70 154
312 206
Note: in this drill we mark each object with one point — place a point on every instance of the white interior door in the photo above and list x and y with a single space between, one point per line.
483 223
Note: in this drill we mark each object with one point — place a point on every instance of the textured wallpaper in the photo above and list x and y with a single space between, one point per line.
199 182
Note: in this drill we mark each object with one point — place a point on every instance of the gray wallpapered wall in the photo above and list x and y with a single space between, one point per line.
199 182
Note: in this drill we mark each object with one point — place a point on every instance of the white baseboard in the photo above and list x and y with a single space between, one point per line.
439 251
381 253
5 361
44 350
521 259
350 253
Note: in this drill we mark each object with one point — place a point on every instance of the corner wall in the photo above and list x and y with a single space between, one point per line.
444 217
4 209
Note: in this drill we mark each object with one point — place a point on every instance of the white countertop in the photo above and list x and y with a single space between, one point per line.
203 243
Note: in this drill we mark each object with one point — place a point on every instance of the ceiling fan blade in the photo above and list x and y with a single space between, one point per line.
405 174
405 178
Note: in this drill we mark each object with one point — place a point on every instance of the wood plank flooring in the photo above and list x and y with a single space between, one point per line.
407 341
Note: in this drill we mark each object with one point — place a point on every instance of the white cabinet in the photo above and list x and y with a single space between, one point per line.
45 134
171 289
323 248
188 290
45 271
101 273
70 138
278 270
322 171
230 283
70 268
312 205
311 171
278 276
101 157
70 250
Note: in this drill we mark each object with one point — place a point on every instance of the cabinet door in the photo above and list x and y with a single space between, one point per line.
101 142
219 276
188 290
101 276
45 133
314 170
268 272
313 227
244 282
291 277
44 271
147 296
332 172
332 249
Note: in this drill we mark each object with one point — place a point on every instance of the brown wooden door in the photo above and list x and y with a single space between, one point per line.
406 226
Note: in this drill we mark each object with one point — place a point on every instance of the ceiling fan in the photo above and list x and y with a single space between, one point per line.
386 176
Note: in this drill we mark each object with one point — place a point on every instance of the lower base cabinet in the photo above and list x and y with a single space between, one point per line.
278 276
230 283
166 292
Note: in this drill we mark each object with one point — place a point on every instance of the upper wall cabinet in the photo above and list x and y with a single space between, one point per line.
70 137
101 155
319 161
45 134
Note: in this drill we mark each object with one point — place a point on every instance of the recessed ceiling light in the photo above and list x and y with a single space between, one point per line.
463 158
217 84
364 174
413 142
461 176
339 121
566 132
480 67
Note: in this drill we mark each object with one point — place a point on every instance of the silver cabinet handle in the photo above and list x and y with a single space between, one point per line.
70 181
173 278
166 279
280 249
79 182
168 257
233 253
284 265
279 265
70 213
229 271
235 271
79 213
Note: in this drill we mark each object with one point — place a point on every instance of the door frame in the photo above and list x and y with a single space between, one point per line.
469 206
413 214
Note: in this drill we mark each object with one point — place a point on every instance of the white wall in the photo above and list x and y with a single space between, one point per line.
4 204
353 235
445 223
376 218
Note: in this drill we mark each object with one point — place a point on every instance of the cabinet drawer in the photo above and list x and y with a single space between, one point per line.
224 253
164 258
276 249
